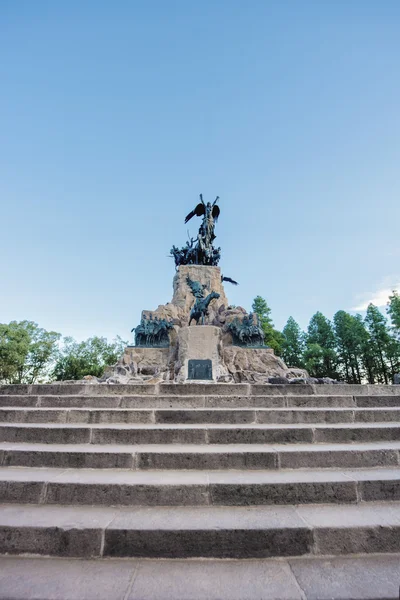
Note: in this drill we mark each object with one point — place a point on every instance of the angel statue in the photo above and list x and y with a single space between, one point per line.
210 213
203 253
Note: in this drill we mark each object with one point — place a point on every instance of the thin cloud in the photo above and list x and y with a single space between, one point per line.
379 298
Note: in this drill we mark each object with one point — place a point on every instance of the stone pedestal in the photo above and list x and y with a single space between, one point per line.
202 342
208 276
151 362
253 365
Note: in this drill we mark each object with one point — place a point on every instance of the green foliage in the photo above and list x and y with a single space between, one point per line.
87 358
320 355
26 352
393 310
293 344
273 338
351 339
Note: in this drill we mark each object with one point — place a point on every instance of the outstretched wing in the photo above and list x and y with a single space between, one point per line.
229 279
215 209
198 211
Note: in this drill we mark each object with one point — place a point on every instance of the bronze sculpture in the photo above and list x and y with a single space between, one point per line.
247 333
200 308
152 333
203 252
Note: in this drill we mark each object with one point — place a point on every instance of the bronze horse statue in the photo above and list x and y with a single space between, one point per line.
200 308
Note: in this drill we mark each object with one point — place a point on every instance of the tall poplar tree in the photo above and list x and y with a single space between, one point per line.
351 337
320 353
376 324
293 344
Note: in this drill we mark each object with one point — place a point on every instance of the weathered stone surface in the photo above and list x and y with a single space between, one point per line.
253 365
200 343
208 276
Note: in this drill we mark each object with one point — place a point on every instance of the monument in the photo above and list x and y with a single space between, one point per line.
198 336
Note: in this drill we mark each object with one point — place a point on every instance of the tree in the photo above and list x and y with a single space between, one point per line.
87 358
273 338
393 310
293 344
351 339
320 354
380 341
26 352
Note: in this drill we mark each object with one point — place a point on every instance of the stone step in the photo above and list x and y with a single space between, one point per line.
219 389
366 577
198 415
215 532
156 433
198 457
150 401
182 488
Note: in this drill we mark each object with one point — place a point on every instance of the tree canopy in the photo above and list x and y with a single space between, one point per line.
77 359
348 348
30 354
27 352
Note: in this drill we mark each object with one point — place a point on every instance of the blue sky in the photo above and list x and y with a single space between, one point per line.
114 116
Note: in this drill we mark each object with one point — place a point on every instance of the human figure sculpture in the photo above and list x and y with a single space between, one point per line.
200 308
247 333
203 252
152 333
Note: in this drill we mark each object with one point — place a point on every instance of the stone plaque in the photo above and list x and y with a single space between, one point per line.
199 369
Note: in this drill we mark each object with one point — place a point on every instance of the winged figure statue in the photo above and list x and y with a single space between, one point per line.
210 213
200 250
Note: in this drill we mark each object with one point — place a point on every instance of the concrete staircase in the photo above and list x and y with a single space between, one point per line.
214 471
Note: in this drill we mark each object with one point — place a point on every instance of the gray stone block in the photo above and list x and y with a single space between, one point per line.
361 578
60 389
205 416
17 491
357 540
46 435
205 389
140 389
304 416
269 401
259 436
376 416
15 389
321 401
217 543
80 401
388 490
26 400
206 460
302 459
68 459
123 416
52 541
214 580
378 401
357 434
148 436
10 415
113 494
25 578
237 494
229 402
281 390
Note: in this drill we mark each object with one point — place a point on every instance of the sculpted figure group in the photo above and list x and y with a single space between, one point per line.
200 251
153 333
247 332
200 308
